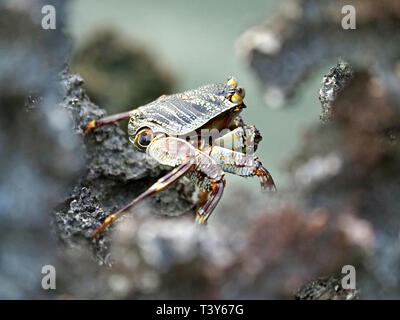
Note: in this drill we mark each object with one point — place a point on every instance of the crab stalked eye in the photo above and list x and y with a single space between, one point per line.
241 92
144 137
238 95
232 82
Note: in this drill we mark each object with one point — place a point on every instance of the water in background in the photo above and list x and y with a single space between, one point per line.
195 40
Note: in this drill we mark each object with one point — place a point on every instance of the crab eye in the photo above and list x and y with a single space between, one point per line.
232 82
238 96
144 137
241 92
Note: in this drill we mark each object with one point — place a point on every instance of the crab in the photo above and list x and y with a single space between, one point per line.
199 133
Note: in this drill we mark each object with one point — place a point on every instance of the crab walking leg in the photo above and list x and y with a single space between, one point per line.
106 120
209 177
205 211
160 185
241 164
168 151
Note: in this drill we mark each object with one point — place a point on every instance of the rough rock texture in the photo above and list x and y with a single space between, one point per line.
342 207
307 34
326 289
359 152
45 163
348 167
274 251
115 174
175 259
332 84
39 156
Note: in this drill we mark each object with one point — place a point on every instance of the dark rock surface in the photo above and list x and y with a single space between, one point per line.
348 166
45 163
115 174
269 256
39 155
305 35
57 186
326 289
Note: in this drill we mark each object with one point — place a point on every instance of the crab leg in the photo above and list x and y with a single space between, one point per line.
241 164
205 211
160 185
106 120
205 173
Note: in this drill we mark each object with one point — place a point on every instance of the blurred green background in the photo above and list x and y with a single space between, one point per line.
195 41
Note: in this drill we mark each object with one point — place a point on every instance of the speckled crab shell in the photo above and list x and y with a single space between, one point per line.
184 113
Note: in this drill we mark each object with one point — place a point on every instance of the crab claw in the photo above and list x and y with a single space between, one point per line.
267 183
